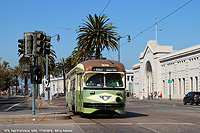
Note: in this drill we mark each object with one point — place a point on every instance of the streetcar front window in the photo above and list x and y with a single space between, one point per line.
113 80
96 80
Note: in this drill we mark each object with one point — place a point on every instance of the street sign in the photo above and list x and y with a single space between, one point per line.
169 81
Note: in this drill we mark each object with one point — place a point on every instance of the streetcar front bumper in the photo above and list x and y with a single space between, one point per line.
105 107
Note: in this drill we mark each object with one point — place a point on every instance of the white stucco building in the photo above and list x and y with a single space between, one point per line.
157 63
129 81
56 85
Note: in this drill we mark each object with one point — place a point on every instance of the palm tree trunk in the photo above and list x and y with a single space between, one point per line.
98 53
16 85
64 78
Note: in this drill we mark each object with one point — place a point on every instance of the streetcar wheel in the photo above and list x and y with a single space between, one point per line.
82 114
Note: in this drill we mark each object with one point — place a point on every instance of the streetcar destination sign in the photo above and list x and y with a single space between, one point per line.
105 69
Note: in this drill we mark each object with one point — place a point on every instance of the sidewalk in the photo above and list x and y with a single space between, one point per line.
3 98
55 110
130 99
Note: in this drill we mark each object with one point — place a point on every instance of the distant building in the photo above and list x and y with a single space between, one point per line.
129 81
56 85
157 63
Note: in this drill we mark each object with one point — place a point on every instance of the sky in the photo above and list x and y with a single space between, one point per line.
180 30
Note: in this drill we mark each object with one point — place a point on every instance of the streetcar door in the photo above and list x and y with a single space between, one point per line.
72 96
78 93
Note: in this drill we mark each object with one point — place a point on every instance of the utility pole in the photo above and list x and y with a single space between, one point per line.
33 92
170 81
148 88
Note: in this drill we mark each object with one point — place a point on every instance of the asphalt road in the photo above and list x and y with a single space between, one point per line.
14 105
141 116
20 105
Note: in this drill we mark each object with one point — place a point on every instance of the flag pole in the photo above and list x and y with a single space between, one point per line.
156 27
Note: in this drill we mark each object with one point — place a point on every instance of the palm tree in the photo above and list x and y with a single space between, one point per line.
94 35
62 68
17 72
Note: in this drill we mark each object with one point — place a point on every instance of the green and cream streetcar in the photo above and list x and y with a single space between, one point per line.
97 86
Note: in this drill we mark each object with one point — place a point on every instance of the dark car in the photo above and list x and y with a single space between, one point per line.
59 94
192 97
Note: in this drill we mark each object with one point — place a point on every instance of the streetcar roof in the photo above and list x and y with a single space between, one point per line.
101 63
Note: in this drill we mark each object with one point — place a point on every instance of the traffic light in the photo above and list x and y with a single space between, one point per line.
29 44
46 45
36 74
21 46
39 44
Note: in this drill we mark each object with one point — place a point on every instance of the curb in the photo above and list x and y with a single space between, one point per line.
38 117
164 101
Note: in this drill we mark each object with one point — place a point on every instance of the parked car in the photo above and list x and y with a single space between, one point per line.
3 93
59 94
192 97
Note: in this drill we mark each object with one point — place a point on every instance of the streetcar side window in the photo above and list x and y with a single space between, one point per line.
96 80
114 80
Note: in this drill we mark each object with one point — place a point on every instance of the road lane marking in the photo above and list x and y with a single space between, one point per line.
85 123
77 126
11 107
43 124
166 123
117 123
150 129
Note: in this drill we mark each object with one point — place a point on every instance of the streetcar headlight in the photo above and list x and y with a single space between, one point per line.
118 99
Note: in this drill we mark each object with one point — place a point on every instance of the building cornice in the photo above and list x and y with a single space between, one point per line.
179 53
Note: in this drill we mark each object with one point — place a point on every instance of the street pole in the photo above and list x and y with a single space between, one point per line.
133 88
33 91
118 40
47 77
148 89
57 87
119 49
170 86
38 86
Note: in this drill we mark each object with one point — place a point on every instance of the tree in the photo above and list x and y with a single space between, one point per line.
62 68
17 72
97 34
6 75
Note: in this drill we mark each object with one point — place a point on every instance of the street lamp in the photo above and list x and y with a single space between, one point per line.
58 37
118 39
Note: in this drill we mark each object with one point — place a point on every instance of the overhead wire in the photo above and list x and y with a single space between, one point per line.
142 31
105 7
36 26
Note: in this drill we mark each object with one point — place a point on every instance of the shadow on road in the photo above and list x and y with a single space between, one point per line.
126 115
131 115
